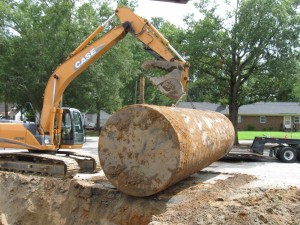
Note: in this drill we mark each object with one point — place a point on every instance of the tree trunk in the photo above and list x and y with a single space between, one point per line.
235 82
234 108
98 125
233 116
6 111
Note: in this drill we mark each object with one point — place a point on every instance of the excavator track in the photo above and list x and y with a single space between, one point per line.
40 164
87 162
62 164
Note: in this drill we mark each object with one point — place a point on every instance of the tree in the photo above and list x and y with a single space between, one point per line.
39 34
4 53
296 88
103 84
42 34
245 57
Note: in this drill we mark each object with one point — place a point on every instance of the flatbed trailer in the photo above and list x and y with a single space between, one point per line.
287 150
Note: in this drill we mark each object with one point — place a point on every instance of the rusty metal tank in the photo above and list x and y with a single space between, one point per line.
144 149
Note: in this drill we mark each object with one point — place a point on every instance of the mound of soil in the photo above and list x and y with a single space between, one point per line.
27 200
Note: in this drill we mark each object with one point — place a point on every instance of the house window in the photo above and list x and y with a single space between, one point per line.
239 119
296 119
262 119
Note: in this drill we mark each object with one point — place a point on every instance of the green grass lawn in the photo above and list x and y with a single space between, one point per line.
242 135
249 135
92 133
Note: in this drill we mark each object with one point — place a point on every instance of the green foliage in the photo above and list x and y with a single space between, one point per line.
127 3
36 36
252 57
39 38
247 56
296 87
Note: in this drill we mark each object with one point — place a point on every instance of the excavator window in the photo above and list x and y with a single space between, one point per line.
72 127
67 126
77 122
78 125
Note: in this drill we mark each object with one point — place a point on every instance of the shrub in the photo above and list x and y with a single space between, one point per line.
250 127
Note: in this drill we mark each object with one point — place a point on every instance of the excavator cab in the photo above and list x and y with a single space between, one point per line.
72 132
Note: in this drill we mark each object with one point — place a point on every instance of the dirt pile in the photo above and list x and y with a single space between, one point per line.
26 199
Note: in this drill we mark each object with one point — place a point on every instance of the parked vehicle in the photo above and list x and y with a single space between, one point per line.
90 126
287 150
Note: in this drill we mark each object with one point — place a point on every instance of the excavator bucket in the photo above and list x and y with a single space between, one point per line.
170 84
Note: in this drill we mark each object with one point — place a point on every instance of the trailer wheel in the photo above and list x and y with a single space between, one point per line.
287 154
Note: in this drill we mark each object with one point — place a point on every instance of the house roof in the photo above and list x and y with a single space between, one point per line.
259 108
271 108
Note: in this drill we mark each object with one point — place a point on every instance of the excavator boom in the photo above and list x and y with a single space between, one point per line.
87 53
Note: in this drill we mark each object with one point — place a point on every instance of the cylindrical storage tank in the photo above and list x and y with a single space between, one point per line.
144 149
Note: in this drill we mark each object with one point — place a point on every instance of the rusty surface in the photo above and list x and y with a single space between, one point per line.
171 84
144 149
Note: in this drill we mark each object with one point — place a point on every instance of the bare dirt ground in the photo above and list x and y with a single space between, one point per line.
228 192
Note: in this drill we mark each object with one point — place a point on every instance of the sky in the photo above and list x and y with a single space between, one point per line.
175 12
172 12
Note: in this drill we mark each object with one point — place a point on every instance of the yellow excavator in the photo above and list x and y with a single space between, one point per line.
62 128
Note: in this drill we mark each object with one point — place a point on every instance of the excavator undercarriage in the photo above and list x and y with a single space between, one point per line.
62 164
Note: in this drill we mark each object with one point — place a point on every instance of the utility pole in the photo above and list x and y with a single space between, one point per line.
142 89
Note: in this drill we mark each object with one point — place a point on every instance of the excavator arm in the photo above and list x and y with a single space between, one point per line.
173 85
